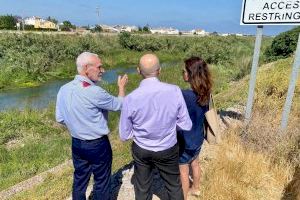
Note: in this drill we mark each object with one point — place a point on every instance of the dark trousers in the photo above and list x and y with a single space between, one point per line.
91 156
167 164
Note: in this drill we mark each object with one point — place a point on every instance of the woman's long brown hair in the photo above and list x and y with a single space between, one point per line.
199 78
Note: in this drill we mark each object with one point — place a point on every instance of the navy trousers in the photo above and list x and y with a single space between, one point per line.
91 156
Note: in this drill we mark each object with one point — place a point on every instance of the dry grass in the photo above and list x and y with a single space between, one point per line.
238 172
258 161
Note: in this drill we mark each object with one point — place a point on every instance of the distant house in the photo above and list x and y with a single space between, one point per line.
199 32
124 28
167 31
31 20
45 25
187 32
40 23
109 29
18 25
82 30
224 34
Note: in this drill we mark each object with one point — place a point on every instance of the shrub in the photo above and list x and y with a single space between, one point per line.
8 22
213 50
140 43
31 56
283 45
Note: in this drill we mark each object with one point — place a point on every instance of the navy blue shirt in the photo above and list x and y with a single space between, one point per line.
192 140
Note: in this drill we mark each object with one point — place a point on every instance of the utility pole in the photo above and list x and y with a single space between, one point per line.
23 23
98 14
23 20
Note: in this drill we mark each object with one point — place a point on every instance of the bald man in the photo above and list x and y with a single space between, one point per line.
150 115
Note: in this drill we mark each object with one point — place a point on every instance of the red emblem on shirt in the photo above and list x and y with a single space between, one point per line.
85 84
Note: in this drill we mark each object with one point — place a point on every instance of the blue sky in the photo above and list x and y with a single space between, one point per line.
211 15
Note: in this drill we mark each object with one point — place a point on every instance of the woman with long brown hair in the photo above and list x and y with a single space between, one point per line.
197 74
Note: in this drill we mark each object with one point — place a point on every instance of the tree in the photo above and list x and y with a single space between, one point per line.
283 45
146 29
98 28
67 26
8 22
52 20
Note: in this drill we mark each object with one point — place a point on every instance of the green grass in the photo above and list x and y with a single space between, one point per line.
55 187
274 75
30 143
34 138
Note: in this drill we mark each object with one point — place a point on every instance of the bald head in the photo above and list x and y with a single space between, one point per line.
149 65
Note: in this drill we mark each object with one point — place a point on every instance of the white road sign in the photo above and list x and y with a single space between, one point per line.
270 12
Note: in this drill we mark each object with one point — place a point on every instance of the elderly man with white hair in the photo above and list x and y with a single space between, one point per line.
150 115
83 107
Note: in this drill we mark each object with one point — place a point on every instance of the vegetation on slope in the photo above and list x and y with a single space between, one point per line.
283 45
29 59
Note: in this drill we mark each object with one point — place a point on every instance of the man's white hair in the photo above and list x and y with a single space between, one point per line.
84 59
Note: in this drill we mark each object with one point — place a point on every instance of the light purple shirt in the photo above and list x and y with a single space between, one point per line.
151 113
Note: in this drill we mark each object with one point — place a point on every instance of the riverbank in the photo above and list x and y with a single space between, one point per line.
23 133
32 142
253 162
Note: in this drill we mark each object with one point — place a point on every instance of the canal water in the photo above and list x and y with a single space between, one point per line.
41 96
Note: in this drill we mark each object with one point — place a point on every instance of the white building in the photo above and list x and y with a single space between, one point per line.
224 34
167 31
38 22
199 32
125 28
109 29
239 34
32 20
187 32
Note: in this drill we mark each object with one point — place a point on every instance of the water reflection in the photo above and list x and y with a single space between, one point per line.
40 97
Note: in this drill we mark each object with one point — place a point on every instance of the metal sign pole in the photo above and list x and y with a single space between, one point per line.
290 94
256 53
